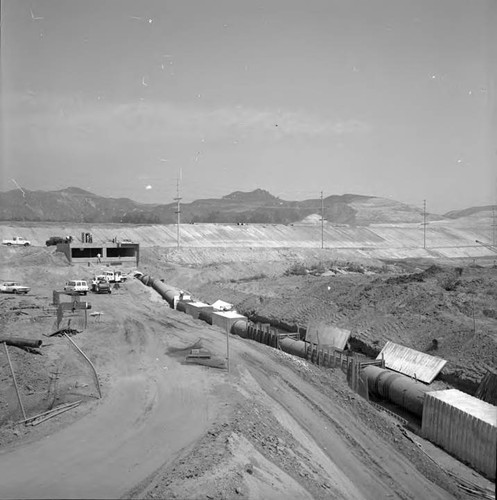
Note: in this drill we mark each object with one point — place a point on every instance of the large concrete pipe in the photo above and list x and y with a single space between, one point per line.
240 328
20 342
145 279
396 388
295 347
165 291
181 305
205 315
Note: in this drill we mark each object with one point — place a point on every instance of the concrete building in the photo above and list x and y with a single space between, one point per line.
107 253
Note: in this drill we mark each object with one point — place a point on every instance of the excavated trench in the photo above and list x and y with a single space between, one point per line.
357 345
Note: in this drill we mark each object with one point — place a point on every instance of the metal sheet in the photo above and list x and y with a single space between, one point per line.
412 363
323 334
464 426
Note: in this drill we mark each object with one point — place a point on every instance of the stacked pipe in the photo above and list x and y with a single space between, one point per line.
392 386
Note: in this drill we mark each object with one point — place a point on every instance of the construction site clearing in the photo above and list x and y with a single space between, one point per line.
130 395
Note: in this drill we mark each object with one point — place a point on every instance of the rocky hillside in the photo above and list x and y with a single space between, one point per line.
77 205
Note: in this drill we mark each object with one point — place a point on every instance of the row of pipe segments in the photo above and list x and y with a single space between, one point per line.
394 387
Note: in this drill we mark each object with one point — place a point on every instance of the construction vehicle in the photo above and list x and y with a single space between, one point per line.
100 284
113 276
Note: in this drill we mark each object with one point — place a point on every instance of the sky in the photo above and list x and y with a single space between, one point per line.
142 98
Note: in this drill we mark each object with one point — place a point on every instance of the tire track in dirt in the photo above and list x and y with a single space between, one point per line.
374 469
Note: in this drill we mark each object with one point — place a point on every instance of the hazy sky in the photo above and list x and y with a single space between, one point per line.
390 98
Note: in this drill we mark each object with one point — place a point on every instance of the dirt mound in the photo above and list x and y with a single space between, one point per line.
31 256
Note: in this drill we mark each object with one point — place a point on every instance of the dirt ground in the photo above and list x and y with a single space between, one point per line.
273 427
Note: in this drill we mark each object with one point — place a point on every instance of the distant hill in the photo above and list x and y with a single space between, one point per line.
73 204
468 212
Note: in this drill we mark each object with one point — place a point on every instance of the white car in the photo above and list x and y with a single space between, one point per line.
17 241
77 286
13 287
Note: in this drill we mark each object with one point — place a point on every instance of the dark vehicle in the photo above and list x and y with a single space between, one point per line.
54 240
100 285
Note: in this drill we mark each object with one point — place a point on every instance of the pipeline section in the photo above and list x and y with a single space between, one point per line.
396 388
21 342
392 386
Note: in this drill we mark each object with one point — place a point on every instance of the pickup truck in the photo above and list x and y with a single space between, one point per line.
13 287
17 241
114 276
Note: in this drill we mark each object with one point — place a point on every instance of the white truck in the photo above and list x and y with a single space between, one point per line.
113 276
16 241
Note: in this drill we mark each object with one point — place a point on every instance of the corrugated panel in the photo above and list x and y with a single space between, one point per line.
319 332
411 363
464 426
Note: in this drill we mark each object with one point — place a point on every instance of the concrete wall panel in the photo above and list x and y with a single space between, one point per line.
464 426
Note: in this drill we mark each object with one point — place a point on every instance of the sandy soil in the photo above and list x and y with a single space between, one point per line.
273 427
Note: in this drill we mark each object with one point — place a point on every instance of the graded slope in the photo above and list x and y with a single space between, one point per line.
450 239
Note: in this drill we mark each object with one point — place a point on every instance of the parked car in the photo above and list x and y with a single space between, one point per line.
100 284
54 240
77 286
13 287
17 241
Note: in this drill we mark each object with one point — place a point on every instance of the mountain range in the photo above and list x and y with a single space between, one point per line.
73 204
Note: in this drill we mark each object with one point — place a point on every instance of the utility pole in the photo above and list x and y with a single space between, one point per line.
424 224
178 207
494 226
23 195
322 220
